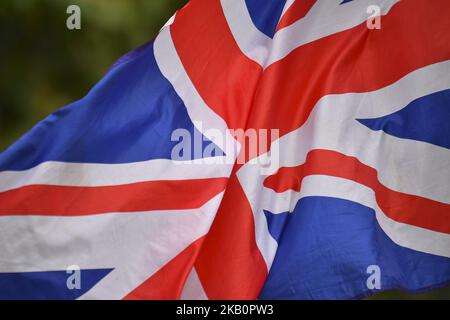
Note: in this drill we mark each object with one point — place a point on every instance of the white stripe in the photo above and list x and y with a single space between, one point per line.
135 244
251 180
96 175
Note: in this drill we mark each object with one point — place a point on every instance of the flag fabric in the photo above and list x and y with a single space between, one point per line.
93 204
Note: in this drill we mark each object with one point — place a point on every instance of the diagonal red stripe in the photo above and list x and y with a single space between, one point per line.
168 282
296 11
230 264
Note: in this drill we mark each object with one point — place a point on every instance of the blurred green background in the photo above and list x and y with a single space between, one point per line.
45 66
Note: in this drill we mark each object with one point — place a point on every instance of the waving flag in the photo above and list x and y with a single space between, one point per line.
93 204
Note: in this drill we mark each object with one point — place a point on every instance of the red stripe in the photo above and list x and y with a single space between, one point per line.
168 282
230 264
224 77
77 201
296 11
401 207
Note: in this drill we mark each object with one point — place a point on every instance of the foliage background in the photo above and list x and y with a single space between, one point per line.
45 66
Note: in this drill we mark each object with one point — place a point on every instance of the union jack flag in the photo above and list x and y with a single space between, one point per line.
361 184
